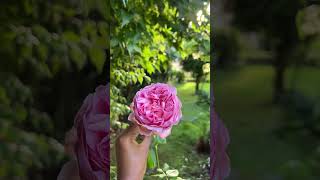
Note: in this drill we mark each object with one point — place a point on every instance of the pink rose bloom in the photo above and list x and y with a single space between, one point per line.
92 128
156 108
220 163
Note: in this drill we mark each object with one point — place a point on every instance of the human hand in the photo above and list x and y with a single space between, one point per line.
131 155
70 170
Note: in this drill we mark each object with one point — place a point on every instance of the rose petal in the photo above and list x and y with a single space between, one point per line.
131 117
156 108
220 163
92 127
165 133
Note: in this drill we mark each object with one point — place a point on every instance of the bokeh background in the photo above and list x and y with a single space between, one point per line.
266 79
266 83
164 41
53 54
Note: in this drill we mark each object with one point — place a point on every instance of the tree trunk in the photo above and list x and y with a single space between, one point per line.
278 83
279 76
198 80
197 87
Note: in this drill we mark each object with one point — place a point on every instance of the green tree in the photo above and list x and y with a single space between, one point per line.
145 37
277 21
196 67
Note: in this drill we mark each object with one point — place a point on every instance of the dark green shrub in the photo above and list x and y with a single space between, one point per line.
203 98
226 48
301 114
177 76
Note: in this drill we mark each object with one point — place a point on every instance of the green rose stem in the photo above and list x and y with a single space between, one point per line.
158 162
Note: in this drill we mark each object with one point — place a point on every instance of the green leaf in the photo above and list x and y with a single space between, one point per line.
162 57
189 44
149 67
114 42
89 29
161 174
207 46
166 167
26 52
21 113
158 140
125 18
124 2
77 56
146 53
103 42
3 96
152 160
42 51
147 78
140 79
132 48
43 69
172 173
71 36
97 57
134 79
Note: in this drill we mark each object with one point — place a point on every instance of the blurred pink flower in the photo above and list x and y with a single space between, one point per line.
156 108
220 163
92 128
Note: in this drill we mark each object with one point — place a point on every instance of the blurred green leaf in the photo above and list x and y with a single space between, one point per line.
149 67
71 36
172 173
125 18
42 51
140 79
3 96
40 47
78 56
152 159
124 2
97 57
158 140
21 113
166 166
133 48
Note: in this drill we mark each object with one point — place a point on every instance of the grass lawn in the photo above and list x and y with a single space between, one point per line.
243 101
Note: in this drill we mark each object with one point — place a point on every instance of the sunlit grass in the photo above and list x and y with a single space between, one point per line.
179 152
186 93
243 100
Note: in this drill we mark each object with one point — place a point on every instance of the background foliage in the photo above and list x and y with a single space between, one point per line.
266 86
147 38
53 53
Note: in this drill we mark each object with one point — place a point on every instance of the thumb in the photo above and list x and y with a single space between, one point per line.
132 132
70 141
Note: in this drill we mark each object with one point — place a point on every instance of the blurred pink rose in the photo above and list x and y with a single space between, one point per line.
220 163
92 128
156 108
